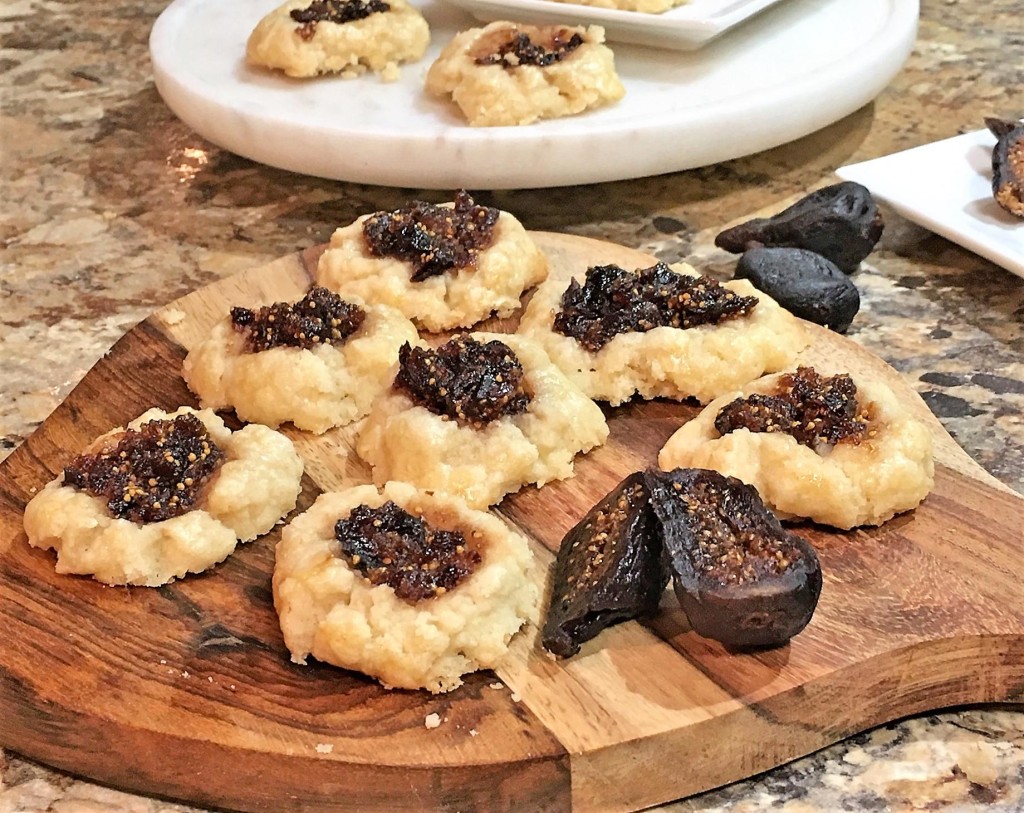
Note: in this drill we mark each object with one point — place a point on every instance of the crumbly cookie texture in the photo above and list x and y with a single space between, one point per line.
666 362
461 297
644 6
845 485
316 389
494 87
379 41
256 485
329 610
407 442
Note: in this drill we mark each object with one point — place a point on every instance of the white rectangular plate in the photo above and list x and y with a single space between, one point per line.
684 28
947 188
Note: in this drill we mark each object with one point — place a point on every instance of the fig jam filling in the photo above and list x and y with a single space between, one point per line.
812 408
388 545
153 473
433 239
732 546
612 301
465 380
320 317
519 49
334 11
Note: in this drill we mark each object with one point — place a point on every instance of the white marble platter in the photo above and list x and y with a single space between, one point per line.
793 69
685 28
946 187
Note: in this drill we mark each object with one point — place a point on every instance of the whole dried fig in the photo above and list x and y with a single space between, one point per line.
610 568
804 283
740 577
840 222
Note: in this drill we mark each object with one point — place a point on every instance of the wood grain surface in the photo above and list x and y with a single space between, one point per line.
186 691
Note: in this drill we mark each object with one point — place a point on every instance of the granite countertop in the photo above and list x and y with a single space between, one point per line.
112 207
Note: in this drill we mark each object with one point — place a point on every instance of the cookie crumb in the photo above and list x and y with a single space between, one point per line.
473 732
497 686
432 721
174 316
324 748
515 697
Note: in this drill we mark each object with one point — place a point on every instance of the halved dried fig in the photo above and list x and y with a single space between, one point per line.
840 222
610 568
740 577
1008 165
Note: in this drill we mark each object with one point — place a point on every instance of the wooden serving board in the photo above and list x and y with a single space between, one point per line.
186 691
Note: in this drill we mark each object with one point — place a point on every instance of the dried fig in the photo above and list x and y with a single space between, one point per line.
740 577
1008 165
840 222
804 283
610 568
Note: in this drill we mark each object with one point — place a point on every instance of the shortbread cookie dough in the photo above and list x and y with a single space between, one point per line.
509 74
171 494
644 6
483 417
318 362
307 38
412 589
443 266
851 455
660 335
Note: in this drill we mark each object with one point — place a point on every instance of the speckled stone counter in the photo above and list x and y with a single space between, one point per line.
111 207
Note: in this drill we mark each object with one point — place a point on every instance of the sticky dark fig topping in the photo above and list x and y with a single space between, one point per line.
334 11
388 545
840 222
815 410
519 50
320 317
468 381
612 301
433 239
610 568
741 578
1008 165
152 473
804 283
